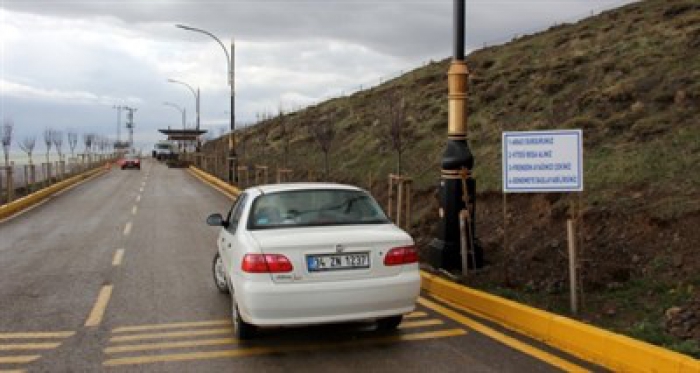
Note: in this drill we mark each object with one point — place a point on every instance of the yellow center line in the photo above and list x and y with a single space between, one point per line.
189 333
22 359
29 335
98 310
282 349
12 371
171 325
134 210
127 229
118 256
415 314
167 345
500 337
420 323
28 346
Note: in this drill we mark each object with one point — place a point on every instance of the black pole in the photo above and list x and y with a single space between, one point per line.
458 32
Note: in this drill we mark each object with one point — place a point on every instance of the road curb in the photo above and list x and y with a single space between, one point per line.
215 182
11 209
613 351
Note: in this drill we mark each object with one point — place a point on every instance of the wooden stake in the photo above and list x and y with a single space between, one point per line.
391 196
464 245
571 234
399 201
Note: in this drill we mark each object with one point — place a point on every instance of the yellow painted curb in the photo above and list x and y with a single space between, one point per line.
613 351
30 200
215 181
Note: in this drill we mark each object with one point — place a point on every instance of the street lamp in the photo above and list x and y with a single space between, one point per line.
119 121
196 98
232 169
182 111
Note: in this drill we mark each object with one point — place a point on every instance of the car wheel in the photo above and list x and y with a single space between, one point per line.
241 329
219 272
389 323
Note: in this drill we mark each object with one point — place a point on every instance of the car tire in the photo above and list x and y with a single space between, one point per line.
218 272
389 323
241 329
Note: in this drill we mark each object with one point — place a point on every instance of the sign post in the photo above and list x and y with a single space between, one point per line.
545 162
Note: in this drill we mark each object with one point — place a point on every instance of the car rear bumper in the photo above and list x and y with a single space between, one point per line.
270 304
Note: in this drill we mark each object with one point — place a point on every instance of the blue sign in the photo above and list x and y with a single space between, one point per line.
543 161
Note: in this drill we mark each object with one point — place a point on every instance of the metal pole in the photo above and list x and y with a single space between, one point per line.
233 161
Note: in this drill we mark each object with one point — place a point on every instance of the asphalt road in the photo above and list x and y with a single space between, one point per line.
115 275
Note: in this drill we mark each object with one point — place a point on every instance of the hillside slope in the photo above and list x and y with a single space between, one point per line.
630 78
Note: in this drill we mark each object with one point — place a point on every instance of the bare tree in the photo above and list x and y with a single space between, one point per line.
285 134
397 124
324 133
6 138
27 145
48 140
72 136
57 139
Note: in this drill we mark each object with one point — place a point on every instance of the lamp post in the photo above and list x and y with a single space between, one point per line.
232 166
196 98
457 192
119 121
182 111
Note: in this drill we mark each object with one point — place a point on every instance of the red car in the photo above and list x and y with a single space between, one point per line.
131 161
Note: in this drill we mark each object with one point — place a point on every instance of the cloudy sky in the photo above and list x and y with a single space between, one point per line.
65 64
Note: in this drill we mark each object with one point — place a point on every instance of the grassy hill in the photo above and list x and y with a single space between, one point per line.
630 78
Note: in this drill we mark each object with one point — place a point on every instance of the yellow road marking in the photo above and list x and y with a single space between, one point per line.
28 346
500 337
98 310
415 314
188 333
127 229
22 359
282 349
166 345
12 371
134 210
170 325
29 335
118 256
420 323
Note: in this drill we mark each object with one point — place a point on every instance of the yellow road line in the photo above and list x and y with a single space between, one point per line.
167 345
136 328
415 314
227 194
29 335
500 337
118 256
98 310
12 371
127 229
188 333
28 346
282 349
420 323
134 210
21 359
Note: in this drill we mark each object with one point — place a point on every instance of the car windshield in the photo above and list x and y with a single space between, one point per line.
304 208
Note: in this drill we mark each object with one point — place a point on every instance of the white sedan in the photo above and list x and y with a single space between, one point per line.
301 254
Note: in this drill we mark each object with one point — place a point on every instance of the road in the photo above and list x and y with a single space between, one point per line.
115 275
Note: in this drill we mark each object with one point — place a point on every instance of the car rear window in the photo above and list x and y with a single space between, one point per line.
317 207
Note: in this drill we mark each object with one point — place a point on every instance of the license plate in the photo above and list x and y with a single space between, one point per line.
332 262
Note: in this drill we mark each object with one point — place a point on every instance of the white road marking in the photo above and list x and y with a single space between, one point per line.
134 210
118 256
127 229
138 198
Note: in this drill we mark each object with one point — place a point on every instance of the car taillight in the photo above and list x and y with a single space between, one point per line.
266 263
401 255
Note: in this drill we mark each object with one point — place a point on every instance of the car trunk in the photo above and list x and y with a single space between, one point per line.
333 253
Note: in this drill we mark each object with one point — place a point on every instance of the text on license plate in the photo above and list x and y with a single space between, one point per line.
329 262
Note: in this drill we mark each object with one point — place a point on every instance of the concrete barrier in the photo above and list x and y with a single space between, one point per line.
214 181
613 351
30 200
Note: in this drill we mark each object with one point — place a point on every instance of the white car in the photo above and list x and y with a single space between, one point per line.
301 254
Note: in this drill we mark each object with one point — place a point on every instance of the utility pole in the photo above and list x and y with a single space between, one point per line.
119 121
457 186
130 125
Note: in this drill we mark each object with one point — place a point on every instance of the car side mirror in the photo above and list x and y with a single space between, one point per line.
216 220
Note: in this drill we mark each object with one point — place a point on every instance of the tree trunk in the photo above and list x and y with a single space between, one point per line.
399 163
327 169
